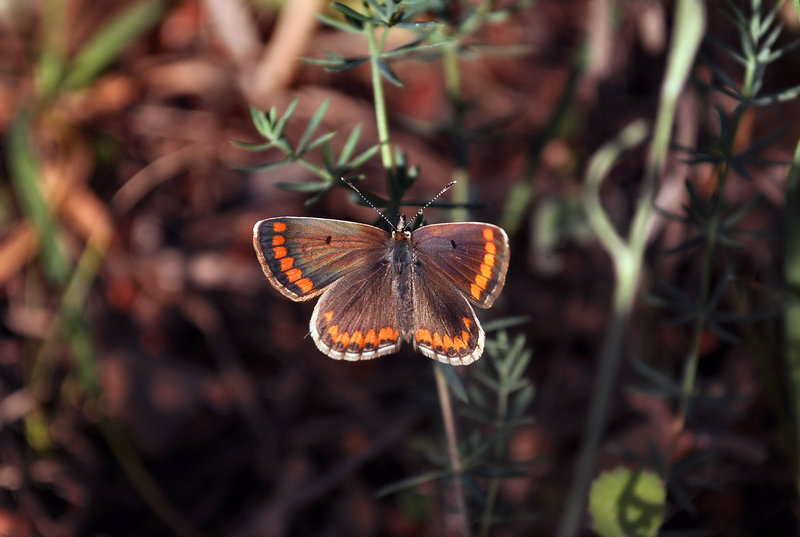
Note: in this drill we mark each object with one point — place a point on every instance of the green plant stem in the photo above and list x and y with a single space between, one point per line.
499 448
792 315
686 37
452 82
381 120
717 199
627 269
456 464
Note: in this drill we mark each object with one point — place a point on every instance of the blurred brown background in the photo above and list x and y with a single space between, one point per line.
152 383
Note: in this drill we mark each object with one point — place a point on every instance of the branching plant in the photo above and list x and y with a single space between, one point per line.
445 37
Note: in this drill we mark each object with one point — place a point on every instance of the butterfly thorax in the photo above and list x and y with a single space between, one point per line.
403 260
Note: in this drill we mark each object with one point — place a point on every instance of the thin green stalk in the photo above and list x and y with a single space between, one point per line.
628 258
627 269
452 82
791 268
749 83
499 448
456 464
381 120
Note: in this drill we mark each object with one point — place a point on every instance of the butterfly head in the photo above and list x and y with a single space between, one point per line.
402 231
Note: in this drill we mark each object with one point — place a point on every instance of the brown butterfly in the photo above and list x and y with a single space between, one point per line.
379 288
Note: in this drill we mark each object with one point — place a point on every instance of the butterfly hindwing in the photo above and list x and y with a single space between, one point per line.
474 257
302 256
356 318
445 326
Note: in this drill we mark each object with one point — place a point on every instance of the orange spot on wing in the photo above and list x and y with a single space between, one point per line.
371 338
488 259
448 342
386 334
334 331
465 337
294 274
277 240
279 227
488 234
481 281
344 339
486 270
458 343
490 247
305 285
279 251
423 335
287 263
475 290
328 316
467 322
437 340
357 338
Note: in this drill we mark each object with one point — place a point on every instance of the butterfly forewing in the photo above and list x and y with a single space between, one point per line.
472 255
303 256
356 318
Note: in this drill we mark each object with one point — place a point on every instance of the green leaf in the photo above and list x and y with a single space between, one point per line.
363 157
415 46
350 13
24 171
519 366
767 21
505 323
109 42
349 146
627 503
388 73
353 27
261 122
776 54
306 188
321 140
268 166
411 482
797 7
312 126
521 402
252 147
277 131
778 97
346 64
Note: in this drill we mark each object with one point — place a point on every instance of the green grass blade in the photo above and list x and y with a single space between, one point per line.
24 171
109 42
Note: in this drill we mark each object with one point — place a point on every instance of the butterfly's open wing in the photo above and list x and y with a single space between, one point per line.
356 318
302 256
445 326
472 255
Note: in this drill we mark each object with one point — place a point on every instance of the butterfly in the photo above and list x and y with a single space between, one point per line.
379 288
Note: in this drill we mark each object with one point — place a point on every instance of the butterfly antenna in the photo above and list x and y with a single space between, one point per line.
447 187
351 185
